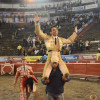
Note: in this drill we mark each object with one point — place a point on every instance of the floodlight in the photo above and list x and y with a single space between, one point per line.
30 1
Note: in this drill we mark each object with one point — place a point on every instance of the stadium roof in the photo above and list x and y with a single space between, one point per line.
17 1
9 1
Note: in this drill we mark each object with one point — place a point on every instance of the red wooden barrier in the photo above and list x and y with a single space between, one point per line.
81 68
93 69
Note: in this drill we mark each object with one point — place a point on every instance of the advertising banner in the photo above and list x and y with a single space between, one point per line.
33 58
87 1
19 13
69 57
38 12
5 13
3 59
78 8
42 12
87 57
29 13
15 59
91 6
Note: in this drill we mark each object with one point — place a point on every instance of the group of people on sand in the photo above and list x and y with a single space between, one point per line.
55 73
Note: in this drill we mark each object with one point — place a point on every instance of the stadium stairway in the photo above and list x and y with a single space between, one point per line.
86 29
8 46
91 33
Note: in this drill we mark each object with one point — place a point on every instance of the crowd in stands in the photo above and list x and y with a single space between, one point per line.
81 20
35 47
32 45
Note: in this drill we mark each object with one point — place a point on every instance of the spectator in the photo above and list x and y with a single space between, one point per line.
0 35
69 49
43 59
31 43
64 51
16 34
28 40
19 47
25 43
42 52
34 39
30 51
36 52
87 45
23 51
81 45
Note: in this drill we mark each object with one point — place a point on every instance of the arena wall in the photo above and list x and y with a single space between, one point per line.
76 68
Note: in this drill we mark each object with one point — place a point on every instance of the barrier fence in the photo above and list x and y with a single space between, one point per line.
84 65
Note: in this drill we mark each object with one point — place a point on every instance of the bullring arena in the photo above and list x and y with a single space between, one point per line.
18 39
84 78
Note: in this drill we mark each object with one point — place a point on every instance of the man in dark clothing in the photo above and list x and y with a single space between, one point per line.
55 82
25 43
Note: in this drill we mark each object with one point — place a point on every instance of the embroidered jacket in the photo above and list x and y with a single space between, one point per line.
50 40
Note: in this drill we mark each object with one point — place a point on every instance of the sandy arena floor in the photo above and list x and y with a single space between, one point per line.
74 90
